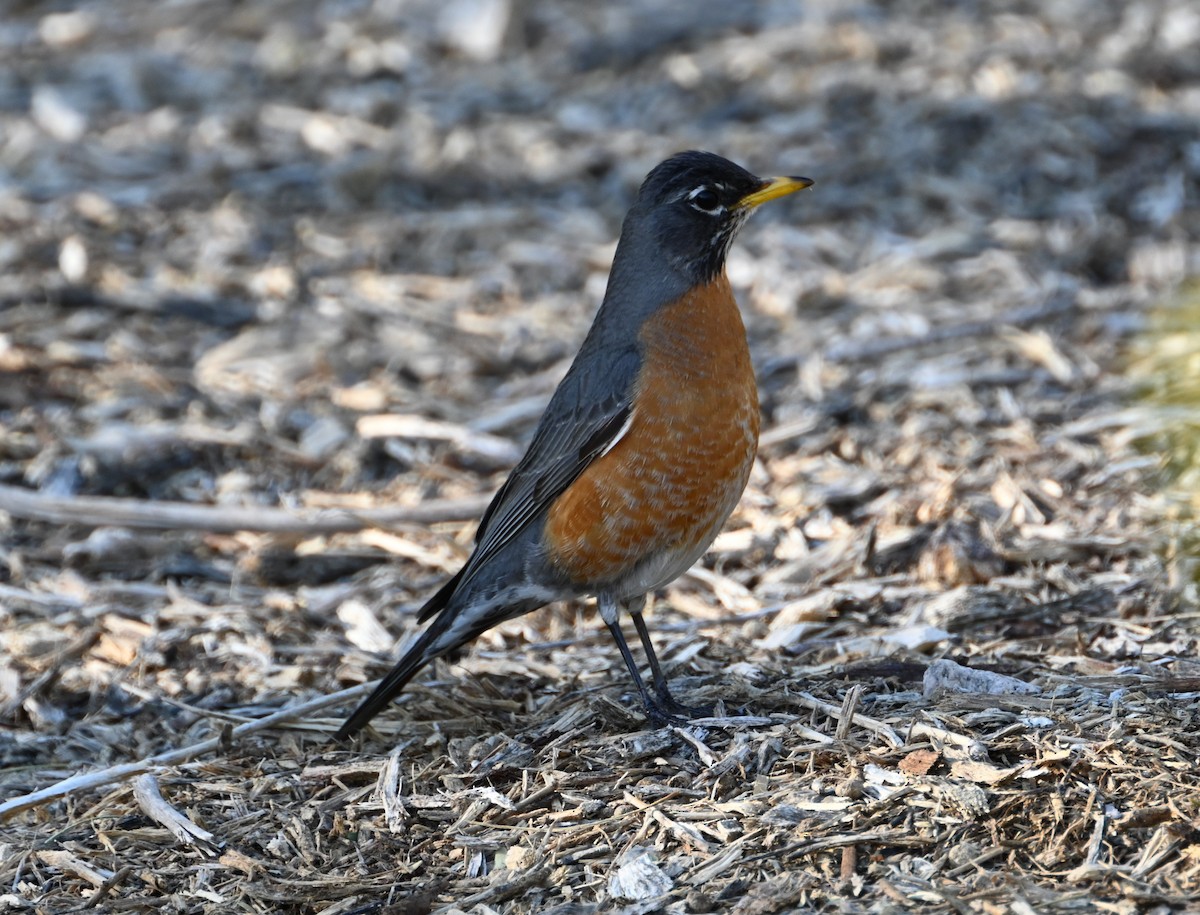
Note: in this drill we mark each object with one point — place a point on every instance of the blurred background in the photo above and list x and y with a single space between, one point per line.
269 217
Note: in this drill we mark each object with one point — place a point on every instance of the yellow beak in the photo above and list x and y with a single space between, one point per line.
772 188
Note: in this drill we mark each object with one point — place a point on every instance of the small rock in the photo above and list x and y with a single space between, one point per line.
638 877
60 30
73 259
948 677
475 28
55 115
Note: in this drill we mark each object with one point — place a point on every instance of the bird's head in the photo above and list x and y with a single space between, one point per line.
692 205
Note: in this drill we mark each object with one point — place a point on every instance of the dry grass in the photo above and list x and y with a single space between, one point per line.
281 303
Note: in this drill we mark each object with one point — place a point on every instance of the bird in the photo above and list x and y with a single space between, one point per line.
645 447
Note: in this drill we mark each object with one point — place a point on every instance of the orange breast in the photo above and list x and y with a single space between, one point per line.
647 509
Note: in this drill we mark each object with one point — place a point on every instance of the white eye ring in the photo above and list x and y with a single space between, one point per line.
710 195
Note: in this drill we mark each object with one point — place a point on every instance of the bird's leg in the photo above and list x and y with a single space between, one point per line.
669 702
609 612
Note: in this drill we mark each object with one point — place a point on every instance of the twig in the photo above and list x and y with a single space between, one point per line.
100 777
849 863
71 864
882 837
849 709
97 511
463 438
503 891
107 887
860 350
155 806
36 599
835 712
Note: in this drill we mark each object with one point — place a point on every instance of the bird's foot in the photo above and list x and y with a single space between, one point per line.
667 710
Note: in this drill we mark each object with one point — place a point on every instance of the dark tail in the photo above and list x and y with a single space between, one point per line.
439 601
391 685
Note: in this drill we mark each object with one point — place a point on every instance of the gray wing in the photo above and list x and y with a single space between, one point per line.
586 415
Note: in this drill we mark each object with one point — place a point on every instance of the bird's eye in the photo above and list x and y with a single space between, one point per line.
705 199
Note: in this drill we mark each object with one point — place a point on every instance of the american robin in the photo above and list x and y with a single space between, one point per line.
645 447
